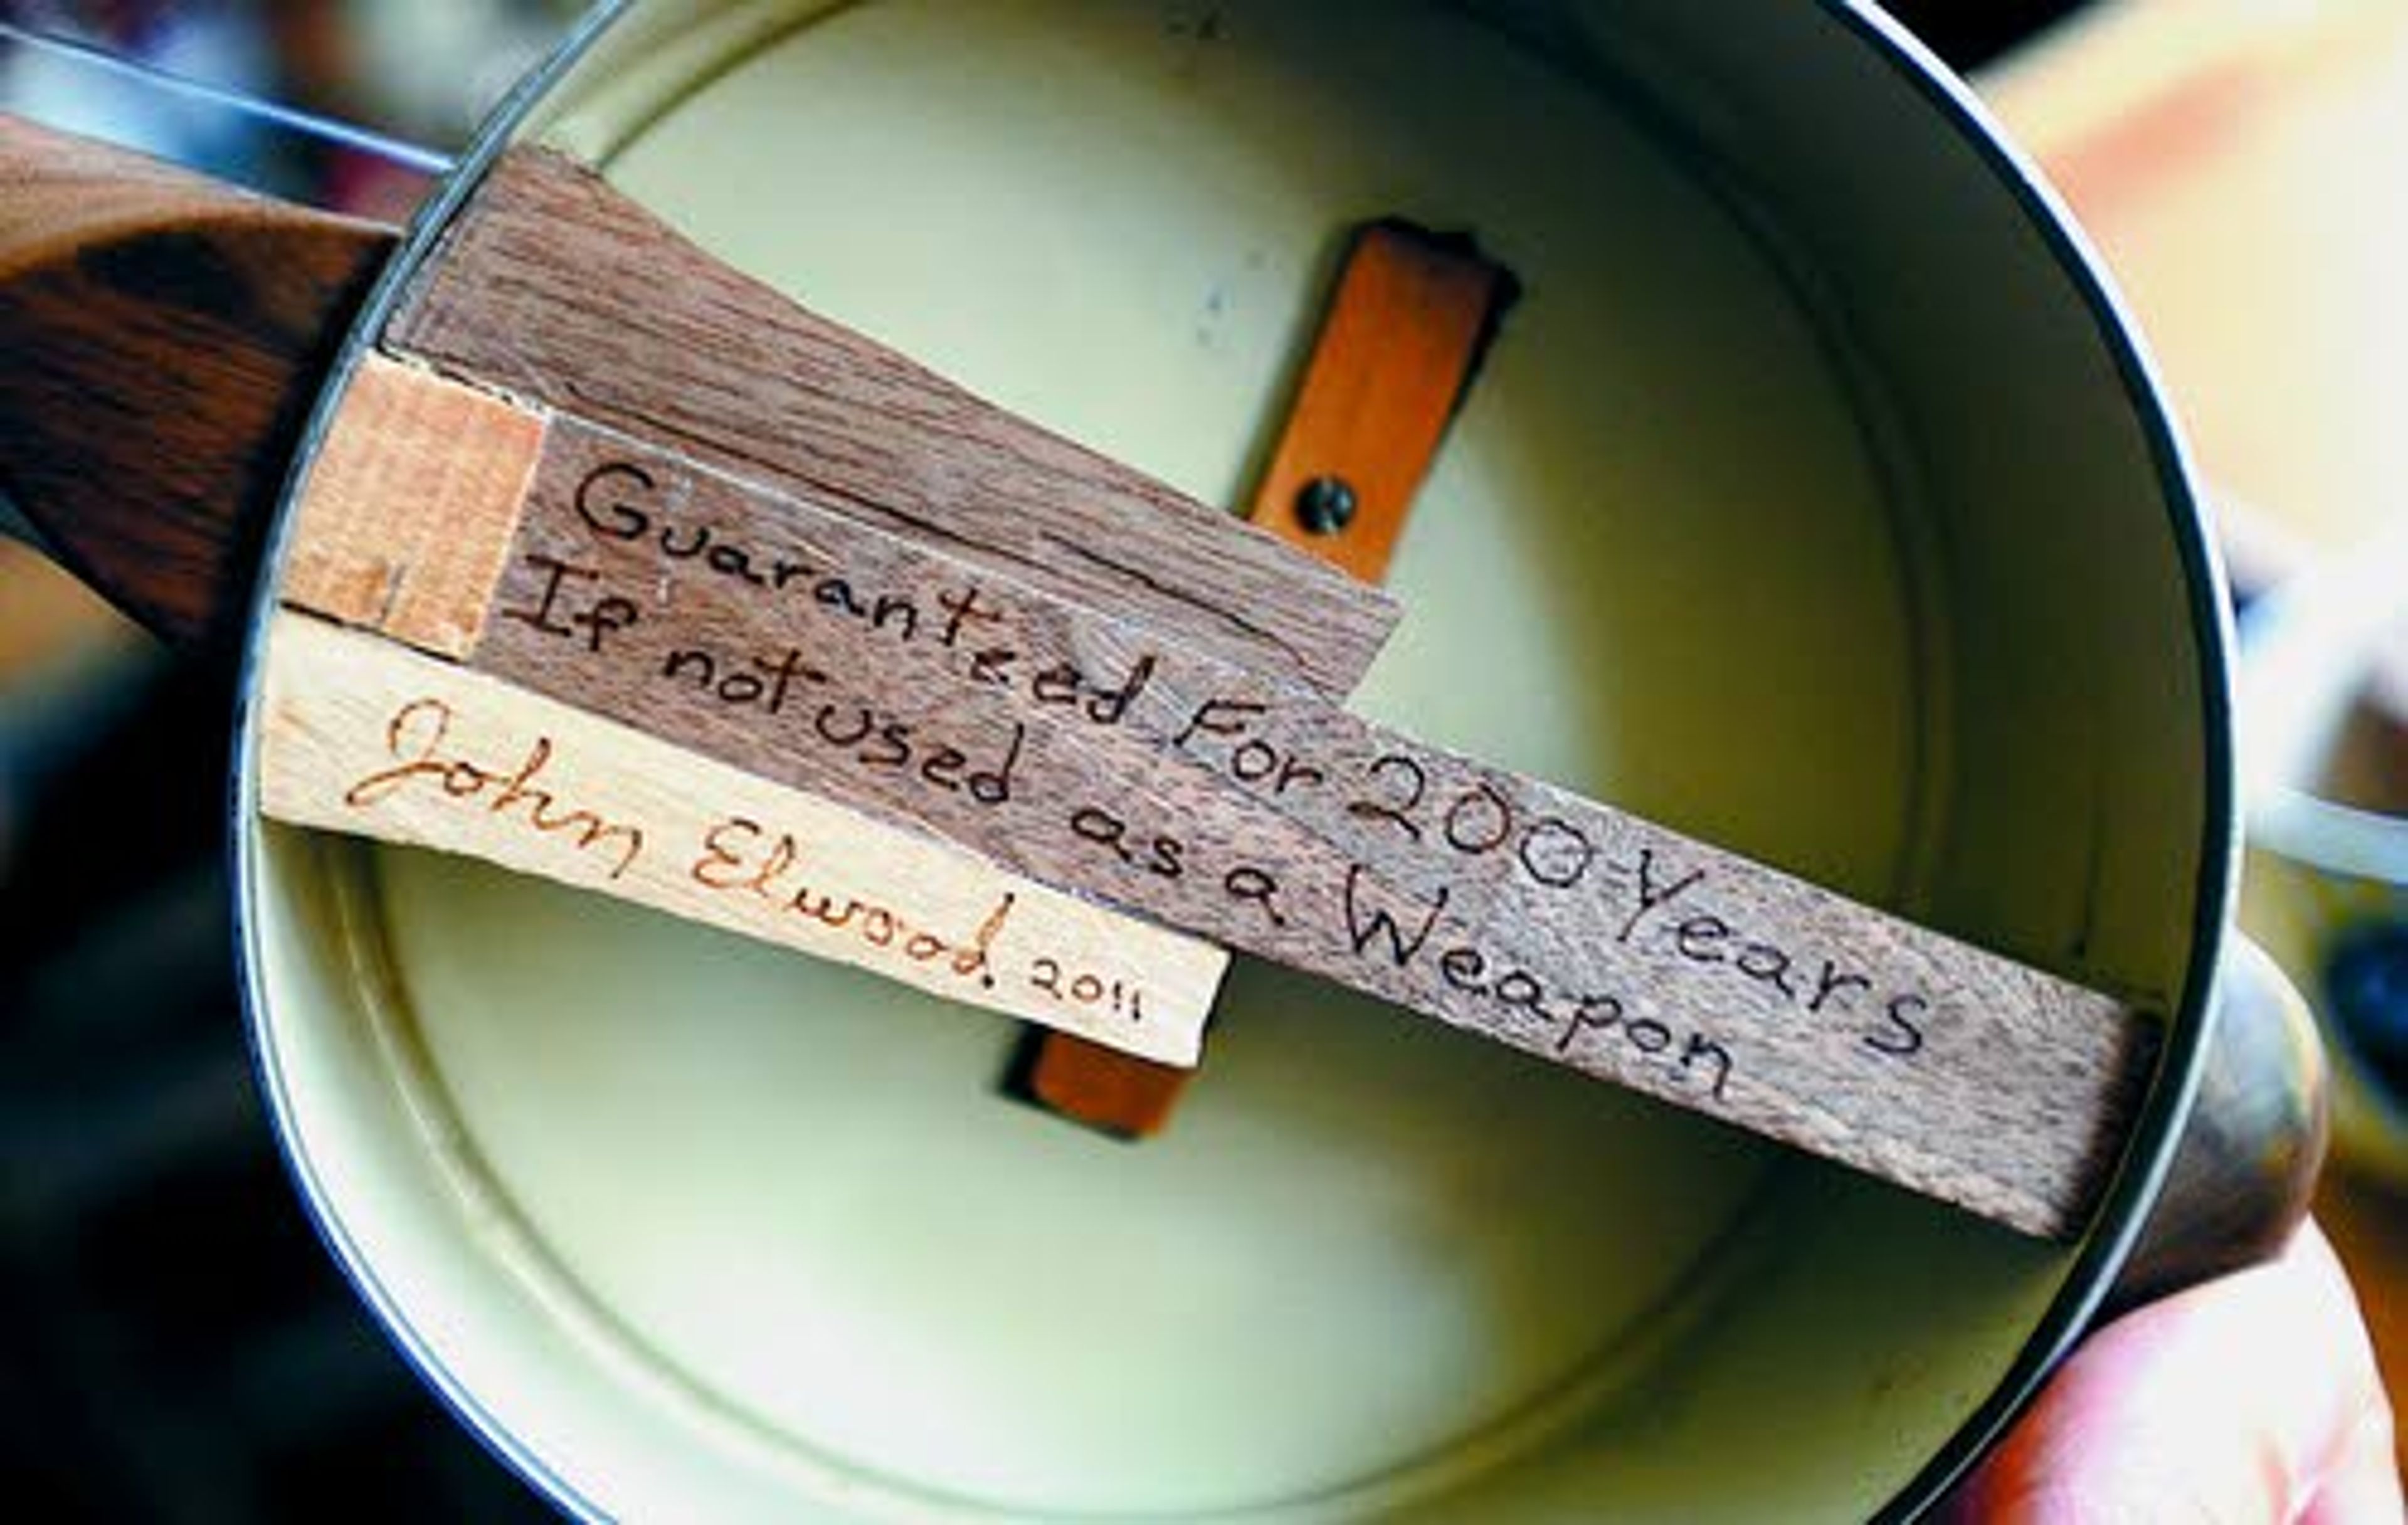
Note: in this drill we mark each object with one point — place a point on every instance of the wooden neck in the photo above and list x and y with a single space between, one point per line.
166 337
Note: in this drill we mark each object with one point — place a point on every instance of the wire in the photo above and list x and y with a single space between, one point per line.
325 129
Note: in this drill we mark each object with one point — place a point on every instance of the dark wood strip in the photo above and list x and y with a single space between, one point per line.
556 288
1099 757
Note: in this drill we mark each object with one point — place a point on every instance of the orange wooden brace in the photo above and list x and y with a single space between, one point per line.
1406 328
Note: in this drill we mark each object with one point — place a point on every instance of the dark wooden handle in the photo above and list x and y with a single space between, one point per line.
163 337
2247 1166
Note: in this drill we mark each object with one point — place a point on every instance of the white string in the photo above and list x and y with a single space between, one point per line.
325 129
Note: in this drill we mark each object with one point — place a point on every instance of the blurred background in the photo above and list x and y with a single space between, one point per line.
175 1345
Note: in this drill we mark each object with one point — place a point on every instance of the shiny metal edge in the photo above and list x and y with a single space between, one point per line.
427 229
2124 1210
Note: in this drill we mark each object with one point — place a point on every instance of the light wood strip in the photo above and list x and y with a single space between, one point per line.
411 506
359 735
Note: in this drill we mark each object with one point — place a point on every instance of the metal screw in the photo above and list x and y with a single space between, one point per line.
1325 505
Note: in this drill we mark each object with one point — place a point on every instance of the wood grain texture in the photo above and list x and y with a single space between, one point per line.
362 736
410 507
1094 754
164 337
1404 330
554 288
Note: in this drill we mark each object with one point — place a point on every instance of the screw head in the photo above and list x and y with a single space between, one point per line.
1325 505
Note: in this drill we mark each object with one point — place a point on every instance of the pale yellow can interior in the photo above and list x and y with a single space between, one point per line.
1804 503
